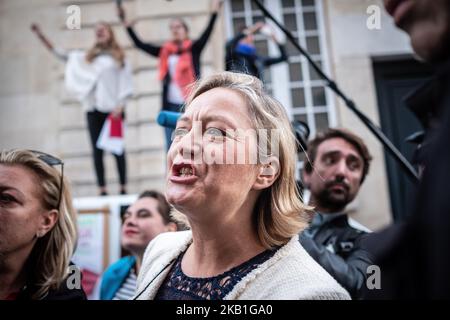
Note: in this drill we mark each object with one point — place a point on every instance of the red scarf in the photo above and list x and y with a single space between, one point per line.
184 71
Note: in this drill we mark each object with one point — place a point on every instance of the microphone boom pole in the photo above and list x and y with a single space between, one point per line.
402 161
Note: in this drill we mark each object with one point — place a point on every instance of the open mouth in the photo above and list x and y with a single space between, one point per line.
183 173
183 170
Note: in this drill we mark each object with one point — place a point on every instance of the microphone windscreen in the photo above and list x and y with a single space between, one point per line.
168 119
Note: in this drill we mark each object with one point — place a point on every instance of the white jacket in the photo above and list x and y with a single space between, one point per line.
102 84
290 274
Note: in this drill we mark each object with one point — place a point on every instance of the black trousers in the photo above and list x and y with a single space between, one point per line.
95 120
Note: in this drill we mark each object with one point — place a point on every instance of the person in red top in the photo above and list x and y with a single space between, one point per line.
179 59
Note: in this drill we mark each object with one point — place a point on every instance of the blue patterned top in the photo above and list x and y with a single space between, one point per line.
178 286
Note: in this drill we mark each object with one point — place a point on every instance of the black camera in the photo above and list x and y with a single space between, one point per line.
301 131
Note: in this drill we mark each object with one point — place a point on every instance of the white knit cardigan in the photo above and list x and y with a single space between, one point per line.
290 274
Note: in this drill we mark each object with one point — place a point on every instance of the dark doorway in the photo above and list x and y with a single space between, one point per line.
394 80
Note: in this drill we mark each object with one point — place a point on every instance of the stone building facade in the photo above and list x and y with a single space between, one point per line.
36 112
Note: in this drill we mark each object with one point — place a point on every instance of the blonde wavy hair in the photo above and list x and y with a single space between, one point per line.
51 254
279 213
112 48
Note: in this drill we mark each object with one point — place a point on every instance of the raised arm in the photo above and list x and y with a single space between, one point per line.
232 44
60 54
268 61
200 43
149 48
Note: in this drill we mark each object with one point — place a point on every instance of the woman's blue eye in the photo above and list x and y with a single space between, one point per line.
179 133
214 132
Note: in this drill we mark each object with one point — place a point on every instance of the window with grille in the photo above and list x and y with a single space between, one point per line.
298 86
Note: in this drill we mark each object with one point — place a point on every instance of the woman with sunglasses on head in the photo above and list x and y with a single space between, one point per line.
101 78
37 229
179 58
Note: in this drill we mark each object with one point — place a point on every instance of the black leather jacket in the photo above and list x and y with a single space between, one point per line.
336 246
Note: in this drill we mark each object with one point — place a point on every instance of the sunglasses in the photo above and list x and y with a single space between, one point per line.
52 161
